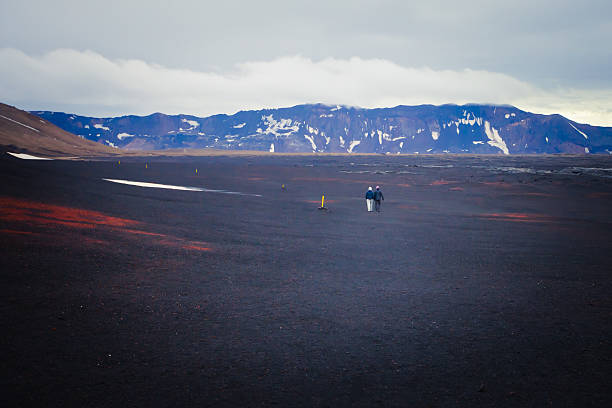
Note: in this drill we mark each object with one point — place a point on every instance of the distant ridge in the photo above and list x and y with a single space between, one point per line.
477 129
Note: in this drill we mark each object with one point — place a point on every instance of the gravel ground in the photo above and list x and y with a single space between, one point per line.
484 281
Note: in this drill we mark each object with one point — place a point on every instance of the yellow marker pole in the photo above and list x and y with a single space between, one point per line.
119 162
146 165
196 171
322 201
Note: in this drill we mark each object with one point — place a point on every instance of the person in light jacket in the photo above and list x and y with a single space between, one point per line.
378 197
369 199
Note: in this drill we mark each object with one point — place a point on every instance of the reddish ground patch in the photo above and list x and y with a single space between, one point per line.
256 178
442 182
139 232
404 185
40 215
502 184
518 217
197 248
456 189
538 195
599 195
8 231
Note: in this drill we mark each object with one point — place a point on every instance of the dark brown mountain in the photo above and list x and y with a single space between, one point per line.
21 131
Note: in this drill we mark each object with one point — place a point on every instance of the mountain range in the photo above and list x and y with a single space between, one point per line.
477 129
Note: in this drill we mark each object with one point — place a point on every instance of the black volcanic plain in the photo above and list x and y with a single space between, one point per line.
484 281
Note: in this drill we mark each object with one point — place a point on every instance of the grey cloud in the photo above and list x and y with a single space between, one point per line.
551 43
91 84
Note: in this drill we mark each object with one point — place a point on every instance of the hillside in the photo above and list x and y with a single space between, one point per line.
21 131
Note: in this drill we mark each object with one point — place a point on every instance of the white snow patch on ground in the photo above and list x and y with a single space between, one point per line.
312 143
240 126
586 149
99 126
494 139
420 130
478 142
401 144
171 187
327 139
513 114
25 156
546 139
271 147
193 123
507 116
582 133
435 135
326 116
379 136
19 123
398 138
429 150
353 144
341 141
86 126
111 144
338 107
121 136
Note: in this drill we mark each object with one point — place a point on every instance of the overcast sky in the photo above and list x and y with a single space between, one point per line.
110 57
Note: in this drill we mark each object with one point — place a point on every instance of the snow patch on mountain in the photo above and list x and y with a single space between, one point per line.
99 126
435 135
239 126
352 145
582 133
192 123
312 143
122 136
312 130
495 139
283 127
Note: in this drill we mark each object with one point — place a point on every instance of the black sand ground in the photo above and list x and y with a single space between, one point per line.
475 286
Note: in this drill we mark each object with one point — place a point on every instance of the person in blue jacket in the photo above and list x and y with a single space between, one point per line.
378 197
369 199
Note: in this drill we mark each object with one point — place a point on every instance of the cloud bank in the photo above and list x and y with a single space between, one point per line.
87 83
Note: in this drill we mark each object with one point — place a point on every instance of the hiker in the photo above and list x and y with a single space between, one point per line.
369 199
378 196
